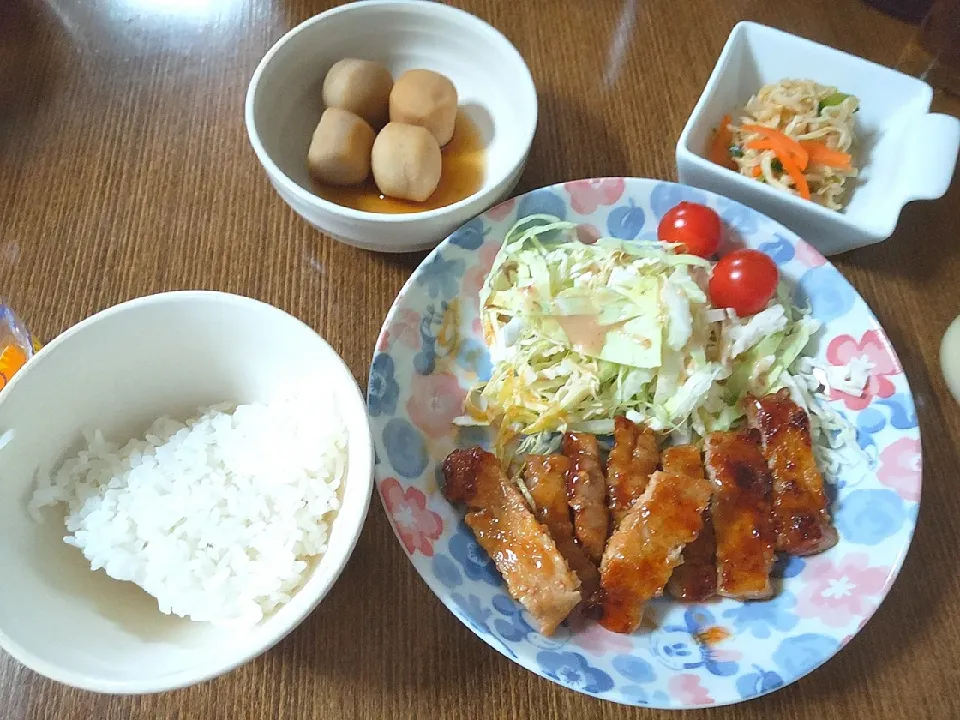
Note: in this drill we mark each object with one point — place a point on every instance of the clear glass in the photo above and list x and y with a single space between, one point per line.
16 344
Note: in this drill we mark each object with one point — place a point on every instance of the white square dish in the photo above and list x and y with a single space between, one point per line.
904 152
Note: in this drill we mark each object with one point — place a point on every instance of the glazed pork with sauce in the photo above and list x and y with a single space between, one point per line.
633 459
521 548
799 502
695 579
701 526
545 477
646 547
587 493
742 514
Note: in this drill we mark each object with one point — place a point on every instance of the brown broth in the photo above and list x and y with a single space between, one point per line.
461 175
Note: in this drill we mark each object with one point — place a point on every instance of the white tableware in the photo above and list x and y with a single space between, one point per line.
905 153
118 371
432 350
493 83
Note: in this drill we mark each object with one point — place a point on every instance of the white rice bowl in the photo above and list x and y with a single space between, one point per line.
218 518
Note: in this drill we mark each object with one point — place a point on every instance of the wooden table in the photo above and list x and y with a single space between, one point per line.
125 170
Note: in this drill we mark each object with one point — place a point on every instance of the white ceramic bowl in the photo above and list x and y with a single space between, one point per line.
284 105
118 371
905 153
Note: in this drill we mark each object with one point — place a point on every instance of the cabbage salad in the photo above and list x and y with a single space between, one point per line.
579 334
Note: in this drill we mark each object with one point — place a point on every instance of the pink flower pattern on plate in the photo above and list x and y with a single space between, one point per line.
686 688
873 347
900 467
720 655
841 592
808 255
499 212
405 329
826 597
587 195
435 400
474 277
416 525
595 639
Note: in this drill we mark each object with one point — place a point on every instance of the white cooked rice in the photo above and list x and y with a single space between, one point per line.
216 518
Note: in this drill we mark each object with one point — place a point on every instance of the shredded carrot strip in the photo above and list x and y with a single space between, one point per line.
780 144
757 172
763 145
778 150
790 165
820 154
719 151
799 180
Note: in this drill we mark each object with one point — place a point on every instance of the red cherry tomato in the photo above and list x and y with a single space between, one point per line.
696 226
744 280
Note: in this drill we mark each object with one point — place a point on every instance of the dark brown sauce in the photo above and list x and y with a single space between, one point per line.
461 175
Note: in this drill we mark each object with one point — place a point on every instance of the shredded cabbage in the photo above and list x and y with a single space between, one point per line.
579 334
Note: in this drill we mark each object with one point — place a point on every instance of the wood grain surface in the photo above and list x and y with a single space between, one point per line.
125 170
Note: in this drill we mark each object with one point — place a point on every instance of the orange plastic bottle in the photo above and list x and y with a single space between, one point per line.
16 345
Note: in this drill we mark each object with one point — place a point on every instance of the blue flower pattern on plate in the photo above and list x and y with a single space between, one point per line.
897 411
626 221
474 357
634 669
780 250
543 202
870 516
762 618
513 626
425 361
796 655
636 695
758 682
869 422
733 214
903 413
446 571
476 564
826 292
574 671
665 195
470 236
441 277
770 644
406 450
473 611
382 389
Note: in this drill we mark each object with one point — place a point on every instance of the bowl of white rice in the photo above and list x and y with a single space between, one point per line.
182 479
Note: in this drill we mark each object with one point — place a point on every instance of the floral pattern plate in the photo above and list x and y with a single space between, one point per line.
686 655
